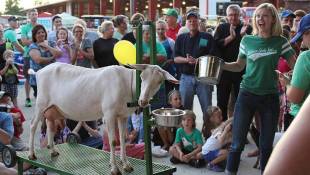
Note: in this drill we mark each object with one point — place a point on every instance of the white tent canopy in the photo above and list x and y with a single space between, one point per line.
68 20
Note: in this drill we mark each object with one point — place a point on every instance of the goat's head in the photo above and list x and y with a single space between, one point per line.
152 76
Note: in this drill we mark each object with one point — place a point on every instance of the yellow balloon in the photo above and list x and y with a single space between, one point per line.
125 52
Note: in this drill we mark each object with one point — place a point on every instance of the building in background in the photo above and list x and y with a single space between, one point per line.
150 8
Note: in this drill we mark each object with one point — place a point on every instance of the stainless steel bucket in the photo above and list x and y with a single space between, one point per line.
168 117
210 69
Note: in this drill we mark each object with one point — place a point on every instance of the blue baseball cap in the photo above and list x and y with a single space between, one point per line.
287 13
192 13
304 25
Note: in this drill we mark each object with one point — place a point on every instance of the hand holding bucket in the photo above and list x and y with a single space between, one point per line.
125 52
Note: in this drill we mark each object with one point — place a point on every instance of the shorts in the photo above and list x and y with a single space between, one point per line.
211 155
26 67
12 89
18 144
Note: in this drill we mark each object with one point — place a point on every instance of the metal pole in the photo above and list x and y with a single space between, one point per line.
139 58
132 7
146 112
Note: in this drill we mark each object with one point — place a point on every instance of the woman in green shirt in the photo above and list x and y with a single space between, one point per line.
259 53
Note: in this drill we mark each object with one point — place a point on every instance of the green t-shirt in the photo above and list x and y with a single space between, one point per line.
10 35
189 141
160 49
301 78
117 35
262 56
26 32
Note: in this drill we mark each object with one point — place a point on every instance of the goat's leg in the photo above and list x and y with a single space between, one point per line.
122 123
110 124
33 127
51 128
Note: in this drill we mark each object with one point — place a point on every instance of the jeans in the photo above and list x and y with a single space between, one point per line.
228 81
189 86
94 142
246 105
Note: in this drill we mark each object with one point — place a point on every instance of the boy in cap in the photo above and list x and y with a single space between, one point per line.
10 35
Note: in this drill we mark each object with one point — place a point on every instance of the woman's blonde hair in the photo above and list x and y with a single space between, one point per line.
276 29
104 26
77 25
8 52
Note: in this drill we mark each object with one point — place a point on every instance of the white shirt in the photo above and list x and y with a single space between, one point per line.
211 144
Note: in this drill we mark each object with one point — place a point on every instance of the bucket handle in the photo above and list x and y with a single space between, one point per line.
195 74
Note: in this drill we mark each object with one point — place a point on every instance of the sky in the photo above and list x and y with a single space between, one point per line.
23 4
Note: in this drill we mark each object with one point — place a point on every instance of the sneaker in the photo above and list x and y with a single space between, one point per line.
37 171
214 168
28 103
196 163
175 160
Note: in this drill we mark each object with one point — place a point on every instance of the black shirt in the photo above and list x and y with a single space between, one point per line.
103 52
129 37
2 49
229 53
199 45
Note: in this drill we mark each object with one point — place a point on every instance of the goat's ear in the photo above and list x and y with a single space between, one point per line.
138 66
170 78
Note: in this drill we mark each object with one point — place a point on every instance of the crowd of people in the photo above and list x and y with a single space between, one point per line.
260 80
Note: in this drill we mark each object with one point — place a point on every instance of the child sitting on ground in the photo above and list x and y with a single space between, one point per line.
188 142
213 119
132 149
6 105
135 131
215 149
167 134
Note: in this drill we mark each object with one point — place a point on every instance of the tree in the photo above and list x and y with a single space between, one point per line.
12 7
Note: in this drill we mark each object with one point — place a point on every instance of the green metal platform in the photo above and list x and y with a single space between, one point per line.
76 159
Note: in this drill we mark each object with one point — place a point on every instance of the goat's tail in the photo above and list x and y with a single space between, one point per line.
31 72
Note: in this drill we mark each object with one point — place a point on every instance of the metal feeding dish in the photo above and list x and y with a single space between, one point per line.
168 117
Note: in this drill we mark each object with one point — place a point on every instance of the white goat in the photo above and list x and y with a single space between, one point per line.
82 94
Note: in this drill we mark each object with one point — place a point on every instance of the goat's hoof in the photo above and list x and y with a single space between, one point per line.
54 154
116 172
32 157
128 168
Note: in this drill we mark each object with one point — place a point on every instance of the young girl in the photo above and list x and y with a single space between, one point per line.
135 131
188 141
214 150
64 45
167 134
9 74
213 119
